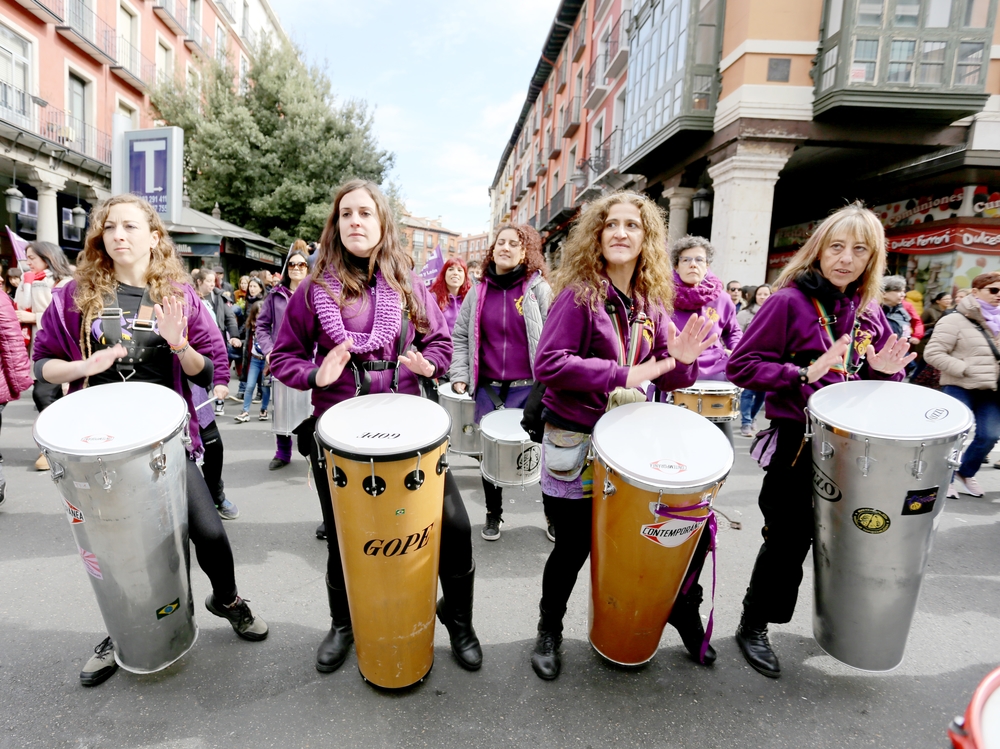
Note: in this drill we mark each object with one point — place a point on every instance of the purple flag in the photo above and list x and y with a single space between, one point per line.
433 266
20 245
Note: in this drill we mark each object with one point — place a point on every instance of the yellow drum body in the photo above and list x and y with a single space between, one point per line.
388 506
715 400
656 472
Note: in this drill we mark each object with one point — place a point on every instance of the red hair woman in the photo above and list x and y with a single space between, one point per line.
449 289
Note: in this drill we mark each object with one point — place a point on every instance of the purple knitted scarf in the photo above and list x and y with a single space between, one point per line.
385 325
695 297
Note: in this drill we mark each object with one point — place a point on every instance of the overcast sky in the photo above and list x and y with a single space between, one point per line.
447 79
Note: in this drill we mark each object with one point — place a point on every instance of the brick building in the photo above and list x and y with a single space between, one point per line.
421 235
474 247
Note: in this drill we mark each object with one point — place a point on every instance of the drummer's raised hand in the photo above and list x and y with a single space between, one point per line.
334 363
416 363
830 358
686 345
892 357
101 361
171 320
650 369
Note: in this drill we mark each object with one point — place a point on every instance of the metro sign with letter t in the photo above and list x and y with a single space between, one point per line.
152 164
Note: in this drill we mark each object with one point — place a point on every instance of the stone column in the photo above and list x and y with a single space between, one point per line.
741 215
48 185
680 210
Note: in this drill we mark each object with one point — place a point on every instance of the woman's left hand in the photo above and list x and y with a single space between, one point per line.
171 320
25 318
416 363
892 358
686 345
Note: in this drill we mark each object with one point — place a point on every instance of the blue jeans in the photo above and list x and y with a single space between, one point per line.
255 373
751 401
985 406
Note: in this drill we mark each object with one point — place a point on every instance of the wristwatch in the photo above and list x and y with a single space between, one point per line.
803 375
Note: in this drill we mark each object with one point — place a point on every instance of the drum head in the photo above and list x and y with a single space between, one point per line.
384 426
504 425
445 391
889 410
663 447
715 387
110 419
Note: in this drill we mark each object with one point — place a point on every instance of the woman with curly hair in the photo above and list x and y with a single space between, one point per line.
496 336
614 273
822 325
450 287
340 338
128 264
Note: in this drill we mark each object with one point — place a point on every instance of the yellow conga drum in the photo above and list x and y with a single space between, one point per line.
386 460
657 470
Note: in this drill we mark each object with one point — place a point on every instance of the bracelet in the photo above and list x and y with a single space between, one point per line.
180 351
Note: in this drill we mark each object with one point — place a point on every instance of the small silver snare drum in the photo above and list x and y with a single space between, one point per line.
510 458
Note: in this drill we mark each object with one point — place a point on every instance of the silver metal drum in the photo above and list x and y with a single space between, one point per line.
117 455
510 458
290 408
464 431
883 455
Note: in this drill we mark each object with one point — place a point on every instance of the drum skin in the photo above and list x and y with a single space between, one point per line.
716 401
390 547
634 580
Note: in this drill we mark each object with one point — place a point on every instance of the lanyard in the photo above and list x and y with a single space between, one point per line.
627 355
826 321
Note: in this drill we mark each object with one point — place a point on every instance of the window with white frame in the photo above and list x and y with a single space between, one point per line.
15 74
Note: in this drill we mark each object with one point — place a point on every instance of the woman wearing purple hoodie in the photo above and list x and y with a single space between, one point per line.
614 273
823 325
341 337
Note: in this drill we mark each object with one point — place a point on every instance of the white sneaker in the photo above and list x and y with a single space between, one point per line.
952 491
968 486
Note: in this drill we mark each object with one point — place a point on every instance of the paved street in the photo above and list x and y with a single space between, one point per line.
231 693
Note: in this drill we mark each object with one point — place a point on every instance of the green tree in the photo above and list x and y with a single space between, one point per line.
271 152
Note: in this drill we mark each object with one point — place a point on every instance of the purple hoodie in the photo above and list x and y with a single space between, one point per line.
722 312
503 334
786 334
59 338
302 344
450 311
272 312
577 357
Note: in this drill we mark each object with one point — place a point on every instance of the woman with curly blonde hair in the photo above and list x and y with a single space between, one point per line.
164 335
615 279
496 335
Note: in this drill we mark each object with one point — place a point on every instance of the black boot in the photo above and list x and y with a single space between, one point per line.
686 619
337 644
455 612
545 658
751 636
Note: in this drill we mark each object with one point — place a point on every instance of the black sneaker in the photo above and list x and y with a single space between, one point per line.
491 531
276 463
101 666
550 530
321 531
245 624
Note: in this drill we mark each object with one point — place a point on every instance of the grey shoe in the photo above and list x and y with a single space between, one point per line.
746 430
227 510
491 531
550 530
101 666
245 624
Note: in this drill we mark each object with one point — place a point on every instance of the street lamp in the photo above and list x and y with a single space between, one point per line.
579 179
79 215
15 197
701 204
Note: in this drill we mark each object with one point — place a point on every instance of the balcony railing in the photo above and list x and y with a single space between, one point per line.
561 78
543 216
174 13
249 36
555 146
227 7
606 154
547 108
618 46
88 32
597 87
132 66
531 221
50 11
571 118
198 41
534 122
541 167
18 108
580 38
529 176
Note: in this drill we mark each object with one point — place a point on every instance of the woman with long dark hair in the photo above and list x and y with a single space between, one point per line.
341 336
129 264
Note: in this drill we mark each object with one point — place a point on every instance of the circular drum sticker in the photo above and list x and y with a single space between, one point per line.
671 532
96 439
669 467
871 520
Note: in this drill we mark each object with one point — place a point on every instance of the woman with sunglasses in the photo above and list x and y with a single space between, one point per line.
272 312
822 325
961 349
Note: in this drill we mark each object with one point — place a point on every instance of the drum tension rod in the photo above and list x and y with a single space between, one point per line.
865 463
918 466
107 476
415 478
373 485
57 470
159 462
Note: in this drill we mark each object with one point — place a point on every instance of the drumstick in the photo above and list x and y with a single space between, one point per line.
210 400
734 524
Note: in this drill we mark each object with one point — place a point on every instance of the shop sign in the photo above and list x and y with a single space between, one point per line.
149 163
262 257
968 238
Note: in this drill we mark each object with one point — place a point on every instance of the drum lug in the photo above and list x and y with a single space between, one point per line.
415 478
809 426
107 477
57 471
609 488
865 463
825 451
186 432
159 462
373 485
442 464
918 466
699 404
953 461
339 477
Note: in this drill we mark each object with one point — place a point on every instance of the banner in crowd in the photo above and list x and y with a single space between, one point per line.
433 266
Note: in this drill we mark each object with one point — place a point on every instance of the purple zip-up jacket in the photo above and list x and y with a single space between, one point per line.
722 312
503 333
59 338
786 334
272 312
301 345
450 311
577 356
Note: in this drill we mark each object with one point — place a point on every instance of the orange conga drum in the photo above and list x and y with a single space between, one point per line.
657 469
385 458
979 728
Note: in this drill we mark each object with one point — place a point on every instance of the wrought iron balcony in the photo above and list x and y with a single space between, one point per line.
597 87
571 118
198 41
82 27
580 38
132 67
228 8
555 146
174 13
561 78
50 11
18 109
618 46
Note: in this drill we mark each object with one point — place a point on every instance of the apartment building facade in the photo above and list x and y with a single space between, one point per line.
420 236
69 67
750 120
473 247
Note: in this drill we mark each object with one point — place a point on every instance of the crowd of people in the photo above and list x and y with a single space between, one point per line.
626 317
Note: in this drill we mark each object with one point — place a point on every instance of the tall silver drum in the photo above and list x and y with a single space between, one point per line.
291 407
464 432
510 458
117 456
883 455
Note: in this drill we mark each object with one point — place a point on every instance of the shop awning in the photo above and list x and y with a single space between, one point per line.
979 236
197 228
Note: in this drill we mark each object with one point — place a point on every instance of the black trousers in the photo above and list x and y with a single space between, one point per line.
212 466
456 530
786 502
572 520
211 544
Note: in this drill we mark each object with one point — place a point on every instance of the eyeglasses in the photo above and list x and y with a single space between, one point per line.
993 290
692 261
293 266
733 289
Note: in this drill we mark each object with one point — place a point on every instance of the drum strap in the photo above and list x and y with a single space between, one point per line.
627 354
826 321
361 369
142 330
